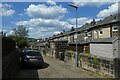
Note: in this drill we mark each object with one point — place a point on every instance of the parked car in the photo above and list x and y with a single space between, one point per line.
31 58
25 49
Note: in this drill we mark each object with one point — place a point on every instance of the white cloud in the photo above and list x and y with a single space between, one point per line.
96 3
81 20
45 19
44 27
42 32
51 2
38 35
41 28
46 12
111 10
45 23
56 32
5 10
11 32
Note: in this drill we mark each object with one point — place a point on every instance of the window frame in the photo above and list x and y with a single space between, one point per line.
100 29
114 26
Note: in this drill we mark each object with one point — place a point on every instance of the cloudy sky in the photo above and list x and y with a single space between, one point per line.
43 19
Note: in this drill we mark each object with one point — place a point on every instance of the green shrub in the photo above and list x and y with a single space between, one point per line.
95 60
70 54
87 51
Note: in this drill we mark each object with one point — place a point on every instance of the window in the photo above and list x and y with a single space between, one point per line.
85 33
101 31
89 33
114 27
115 17
95 31
33 53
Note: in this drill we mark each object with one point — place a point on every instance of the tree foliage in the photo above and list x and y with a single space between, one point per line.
21 31
20 36
3 33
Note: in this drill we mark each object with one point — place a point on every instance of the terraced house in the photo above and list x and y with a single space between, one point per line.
97 44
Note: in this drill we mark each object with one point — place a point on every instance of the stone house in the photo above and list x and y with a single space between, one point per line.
105 28
57 47
91 38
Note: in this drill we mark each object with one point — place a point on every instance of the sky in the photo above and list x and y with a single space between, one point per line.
43 19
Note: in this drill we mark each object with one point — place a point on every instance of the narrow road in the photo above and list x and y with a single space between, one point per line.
53 68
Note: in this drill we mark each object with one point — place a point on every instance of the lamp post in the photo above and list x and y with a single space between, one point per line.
74 6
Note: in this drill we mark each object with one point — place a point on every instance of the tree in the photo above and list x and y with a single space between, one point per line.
3 33
20 36
21 31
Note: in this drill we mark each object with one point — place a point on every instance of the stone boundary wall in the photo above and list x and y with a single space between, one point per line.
89 62
99 65
10 58
8 45
10 65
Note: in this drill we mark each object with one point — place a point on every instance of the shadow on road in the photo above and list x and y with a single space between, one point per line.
30 72
45 65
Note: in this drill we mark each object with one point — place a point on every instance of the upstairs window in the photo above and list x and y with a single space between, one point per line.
115 17
85 33
114 27
89 33
100 31
95 31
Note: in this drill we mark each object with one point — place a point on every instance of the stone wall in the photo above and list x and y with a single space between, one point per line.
10 59
89 62
99 65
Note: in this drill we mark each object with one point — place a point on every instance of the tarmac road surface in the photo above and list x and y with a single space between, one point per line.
54 68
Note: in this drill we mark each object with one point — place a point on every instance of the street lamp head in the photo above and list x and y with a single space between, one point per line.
72 5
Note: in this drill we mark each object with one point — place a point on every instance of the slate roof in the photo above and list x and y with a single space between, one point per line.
106 20
85 27
104 40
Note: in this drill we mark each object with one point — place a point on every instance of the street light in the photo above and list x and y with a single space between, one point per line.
74 6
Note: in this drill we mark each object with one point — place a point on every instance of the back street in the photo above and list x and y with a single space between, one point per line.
54 68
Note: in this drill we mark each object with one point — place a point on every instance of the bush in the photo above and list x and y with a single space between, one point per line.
95 60
70 54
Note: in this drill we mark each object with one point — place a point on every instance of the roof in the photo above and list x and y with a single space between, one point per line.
41 43
79 43
60 41
107 20
104 40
